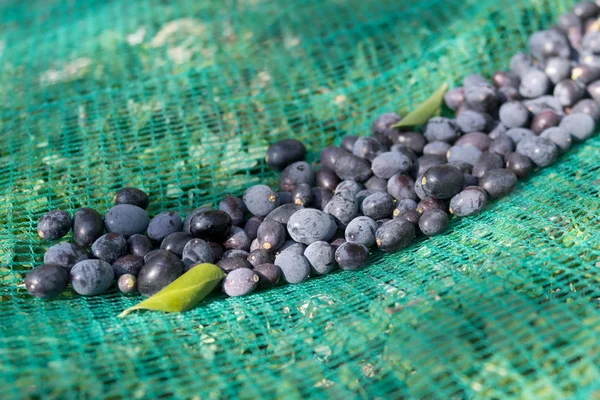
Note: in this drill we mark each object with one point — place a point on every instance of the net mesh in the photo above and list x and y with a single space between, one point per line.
181 99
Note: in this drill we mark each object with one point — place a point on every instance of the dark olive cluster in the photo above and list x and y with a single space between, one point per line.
380 190
146 254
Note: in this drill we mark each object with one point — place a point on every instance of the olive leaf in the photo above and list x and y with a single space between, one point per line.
183 293
425 111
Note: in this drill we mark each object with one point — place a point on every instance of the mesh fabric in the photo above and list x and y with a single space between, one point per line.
181 99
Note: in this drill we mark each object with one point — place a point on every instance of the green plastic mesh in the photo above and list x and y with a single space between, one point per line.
181 98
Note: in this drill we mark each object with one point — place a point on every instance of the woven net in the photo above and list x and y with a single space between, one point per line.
181 99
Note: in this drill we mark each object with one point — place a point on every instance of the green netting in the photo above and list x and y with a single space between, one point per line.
181 99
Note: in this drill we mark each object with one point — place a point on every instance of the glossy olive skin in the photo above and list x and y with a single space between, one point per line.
594 90
329 156
158 272
217 250
282 213
269 275
238 239
290 246
427 161
211 225
402 187
152 253
521 165
351 256
403 205
139 245
442 181
411 216
429 203
284 197
132 196
386 140
412 140
284 152
271 234
230 264
585 74
46 281
88 226
302 194
234 206
348 143
251 226
192 214
502 145
568 92
175 243
293 174
325 178
433 222
504 78
487 162
337 243
261 256
320 198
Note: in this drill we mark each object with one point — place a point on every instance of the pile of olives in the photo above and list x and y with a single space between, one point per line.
380 190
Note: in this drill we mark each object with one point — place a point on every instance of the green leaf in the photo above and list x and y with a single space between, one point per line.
184 292
425 111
